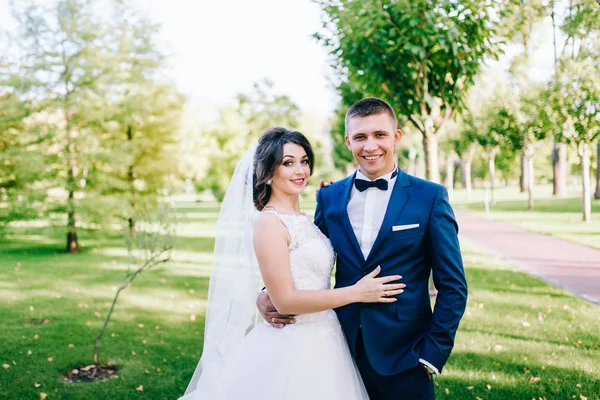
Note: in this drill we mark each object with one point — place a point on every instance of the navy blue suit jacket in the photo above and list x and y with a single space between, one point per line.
396 335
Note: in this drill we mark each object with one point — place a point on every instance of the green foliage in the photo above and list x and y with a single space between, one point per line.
349 95
420 56
240 127
17 169
102 120
574 101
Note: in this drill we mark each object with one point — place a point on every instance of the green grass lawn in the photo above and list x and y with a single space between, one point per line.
521 336
560 217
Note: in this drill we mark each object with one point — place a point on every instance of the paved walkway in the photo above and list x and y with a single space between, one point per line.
565 264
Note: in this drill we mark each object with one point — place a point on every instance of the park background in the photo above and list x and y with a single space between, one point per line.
121 123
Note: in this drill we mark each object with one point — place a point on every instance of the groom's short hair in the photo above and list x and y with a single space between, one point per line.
370 106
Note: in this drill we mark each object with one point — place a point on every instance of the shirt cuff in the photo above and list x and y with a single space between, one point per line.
432 370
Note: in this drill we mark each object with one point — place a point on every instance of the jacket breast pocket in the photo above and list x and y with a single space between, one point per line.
406 230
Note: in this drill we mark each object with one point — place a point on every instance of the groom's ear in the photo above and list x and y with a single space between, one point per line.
397 136
347 139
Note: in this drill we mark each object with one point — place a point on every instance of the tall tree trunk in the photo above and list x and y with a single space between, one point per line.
449 183
466 176
584 154
492 171
559 163
597 193
524 179
457 168
430 147
72 243
412 162
531 180
130 179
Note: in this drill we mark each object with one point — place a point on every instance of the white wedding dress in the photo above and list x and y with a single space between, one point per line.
308 360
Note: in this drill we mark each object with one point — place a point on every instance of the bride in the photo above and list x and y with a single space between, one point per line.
261 223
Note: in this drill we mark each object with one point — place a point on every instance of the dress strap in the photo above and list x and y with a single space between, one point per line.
286 220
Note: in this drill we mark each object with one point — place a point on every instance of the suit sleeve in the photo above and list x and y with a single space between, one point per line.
319 217
450 281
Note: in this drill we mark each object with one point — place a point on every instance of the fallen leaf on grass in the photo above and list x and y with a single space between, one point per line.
534 379
50 359
6 366
37 385
447 390
489 387
140 388
541 316
470 387
582 397
43 396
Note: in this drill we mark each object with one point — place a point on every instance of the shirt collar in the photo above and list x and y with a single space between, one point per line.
387 177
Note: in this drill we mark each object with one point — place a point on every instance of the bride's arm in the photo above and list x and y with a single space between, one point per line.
271 241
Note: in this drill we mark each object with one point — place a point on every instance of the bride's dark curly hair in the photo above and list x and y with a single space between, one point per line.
269 155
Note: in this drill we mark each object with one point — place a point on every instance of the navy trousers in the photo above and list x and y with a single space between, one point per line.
412 384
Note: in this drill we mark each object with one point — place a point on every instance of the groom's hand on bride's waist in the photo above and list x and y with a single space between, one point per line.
269 312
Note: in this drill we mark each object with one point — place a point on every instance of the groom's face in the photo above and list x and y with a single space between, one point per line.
373 141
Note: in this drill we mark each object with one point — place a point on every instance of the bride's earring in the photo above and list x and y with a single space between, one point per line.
269 182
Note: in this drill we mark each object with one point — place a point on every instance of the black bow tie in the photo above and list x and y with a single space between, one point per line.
382 184
363 185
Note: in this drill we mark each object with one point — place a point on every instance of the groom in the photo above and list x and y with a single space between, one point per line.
382 216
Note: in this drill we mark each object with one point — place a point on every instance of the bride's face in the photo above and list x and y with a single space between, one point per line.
291 176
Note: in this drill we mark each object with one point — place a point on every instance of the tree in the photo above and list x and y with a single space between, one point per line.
103 118
342 157
528 132
149 247
493 127
64 49
240 127
575 96
597 192
420 56
464 144
18 169
143 114
489 121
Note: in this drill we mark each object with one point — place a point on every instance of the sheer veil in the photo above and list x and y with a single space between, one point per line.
234 282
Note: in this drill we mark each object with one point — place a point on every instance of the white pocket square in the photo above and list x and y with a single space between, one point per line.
396 228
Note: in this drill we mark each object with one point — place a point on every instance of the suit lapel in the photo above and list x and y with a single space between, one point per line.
398 200
343 211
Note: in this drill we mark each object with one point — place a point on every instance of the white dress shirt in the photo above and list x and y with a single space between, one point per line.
366 211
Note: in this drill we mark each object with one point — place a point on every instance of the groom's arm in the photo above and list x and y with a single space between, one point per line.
450 281
319 217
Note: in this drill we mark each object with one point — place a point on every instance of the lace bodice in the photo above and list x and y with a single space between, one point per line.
311 254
